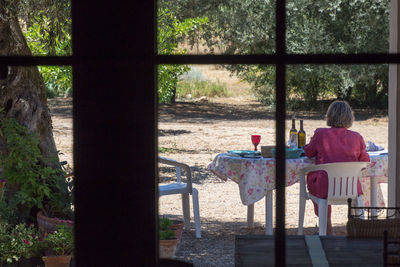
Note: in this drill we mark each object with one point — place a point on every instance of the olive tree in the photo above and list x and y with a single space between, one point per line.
337 26
22 90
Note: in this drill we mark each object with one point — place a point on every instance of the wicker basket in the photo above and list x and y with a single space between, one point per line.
47 224
373 228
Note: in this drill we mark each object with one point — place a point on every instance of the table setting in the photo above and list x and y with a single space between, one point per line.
255 174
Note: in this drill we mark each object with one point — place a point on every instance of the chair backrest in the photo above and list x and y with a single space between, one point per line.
343 178
178 167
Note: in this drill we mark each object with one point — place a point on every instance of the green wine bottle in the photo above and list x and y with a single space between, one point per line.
293 135
301 136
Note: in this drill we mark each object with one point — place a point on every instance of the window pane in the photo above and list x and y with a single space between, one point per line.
311 86
214 112
216 27
337 26
45 25
311 89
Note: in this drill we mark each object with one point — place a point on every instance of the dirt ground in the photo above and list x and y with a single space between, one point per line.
194 133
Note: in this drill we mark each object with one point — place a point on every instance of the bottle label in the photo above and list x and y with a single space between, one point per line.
302 140
292 140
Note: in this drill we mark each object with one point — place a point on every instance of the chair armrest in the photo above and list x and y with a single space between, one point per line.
184 166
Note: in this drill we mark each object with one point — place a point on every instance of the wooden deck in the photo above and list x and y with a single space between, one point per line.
258 250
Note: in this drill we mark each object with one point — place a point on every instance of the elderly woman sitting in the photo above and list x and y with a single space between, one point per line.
334 144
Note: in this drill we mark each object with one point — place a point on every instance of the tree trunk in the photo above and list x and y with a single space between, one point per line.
23 97
22 91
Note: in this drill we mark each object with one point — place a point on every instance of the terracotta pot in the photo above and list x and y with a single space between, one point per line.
57 261
176 224
177 227
167 248
47 224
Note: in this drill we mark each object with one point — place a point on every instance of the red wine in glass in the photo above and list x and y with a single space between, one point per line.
255 139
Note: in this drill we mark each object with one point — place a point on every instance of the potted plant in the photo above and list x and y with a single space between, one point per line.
168 240
19 245
34 183
175 225
60 246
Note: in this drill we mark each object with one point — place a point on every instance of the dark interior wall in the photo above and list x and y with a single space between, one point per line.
114 133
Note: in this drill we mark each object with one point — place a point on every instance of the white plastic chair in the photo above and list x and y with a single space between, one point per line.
184 189
343 178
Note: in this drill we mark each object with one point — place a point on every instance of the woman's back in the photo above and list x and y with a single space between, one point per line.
336 145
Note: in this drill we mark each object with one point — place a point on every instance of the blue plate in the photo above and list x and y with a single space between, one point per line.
244 153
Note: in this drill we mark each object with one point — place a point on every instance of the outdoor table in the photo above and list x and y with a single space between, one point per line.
259 250
256 179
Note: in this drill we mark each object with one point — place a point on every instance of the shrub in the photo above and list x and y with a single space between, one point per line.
201 88
31 183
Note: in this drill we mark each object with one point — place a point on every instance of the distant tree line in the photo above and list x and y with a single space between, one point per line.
335 26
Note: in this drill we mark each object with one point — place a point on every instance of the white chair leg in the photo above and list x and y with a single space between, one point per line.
186 210
323 216
196 211
302 209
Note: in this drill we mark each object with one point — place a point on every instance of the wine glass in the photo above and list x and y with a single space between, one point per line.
255 139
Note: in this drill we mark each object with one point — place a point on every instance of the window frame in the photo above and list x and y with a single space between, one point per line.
97 44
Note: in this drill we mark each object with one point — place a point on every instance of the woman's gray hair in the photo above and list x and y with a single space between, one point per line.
339 115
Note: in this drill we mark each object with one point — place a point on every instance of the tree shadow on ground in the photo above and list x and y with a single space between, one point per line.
216 247
60 107
172 132
189 112
199 175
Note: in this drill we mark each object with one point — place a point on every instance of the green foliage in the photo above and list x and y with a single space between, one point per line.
31 183
201 88
19 241
61 241
166 150
7 208
165 223
167 81
165 229
169 30
53 19
167 234
58 79
47 26
337 26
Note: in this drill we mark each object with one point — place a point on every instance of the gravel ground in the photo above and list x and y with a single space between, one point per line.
194 133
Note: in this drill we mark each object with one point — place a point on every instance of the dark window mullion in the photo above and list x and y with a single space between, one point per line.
280 180
280 59
37 60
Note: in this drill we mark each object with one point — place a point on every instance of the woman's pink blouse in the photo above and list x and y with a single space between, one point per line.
333 145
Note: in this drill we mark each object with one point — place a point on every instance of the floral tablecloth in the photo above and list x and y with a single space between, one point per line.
257 175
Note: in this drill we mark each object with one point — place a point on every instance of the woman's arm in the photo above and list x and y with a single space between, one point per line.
363 151
310 150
